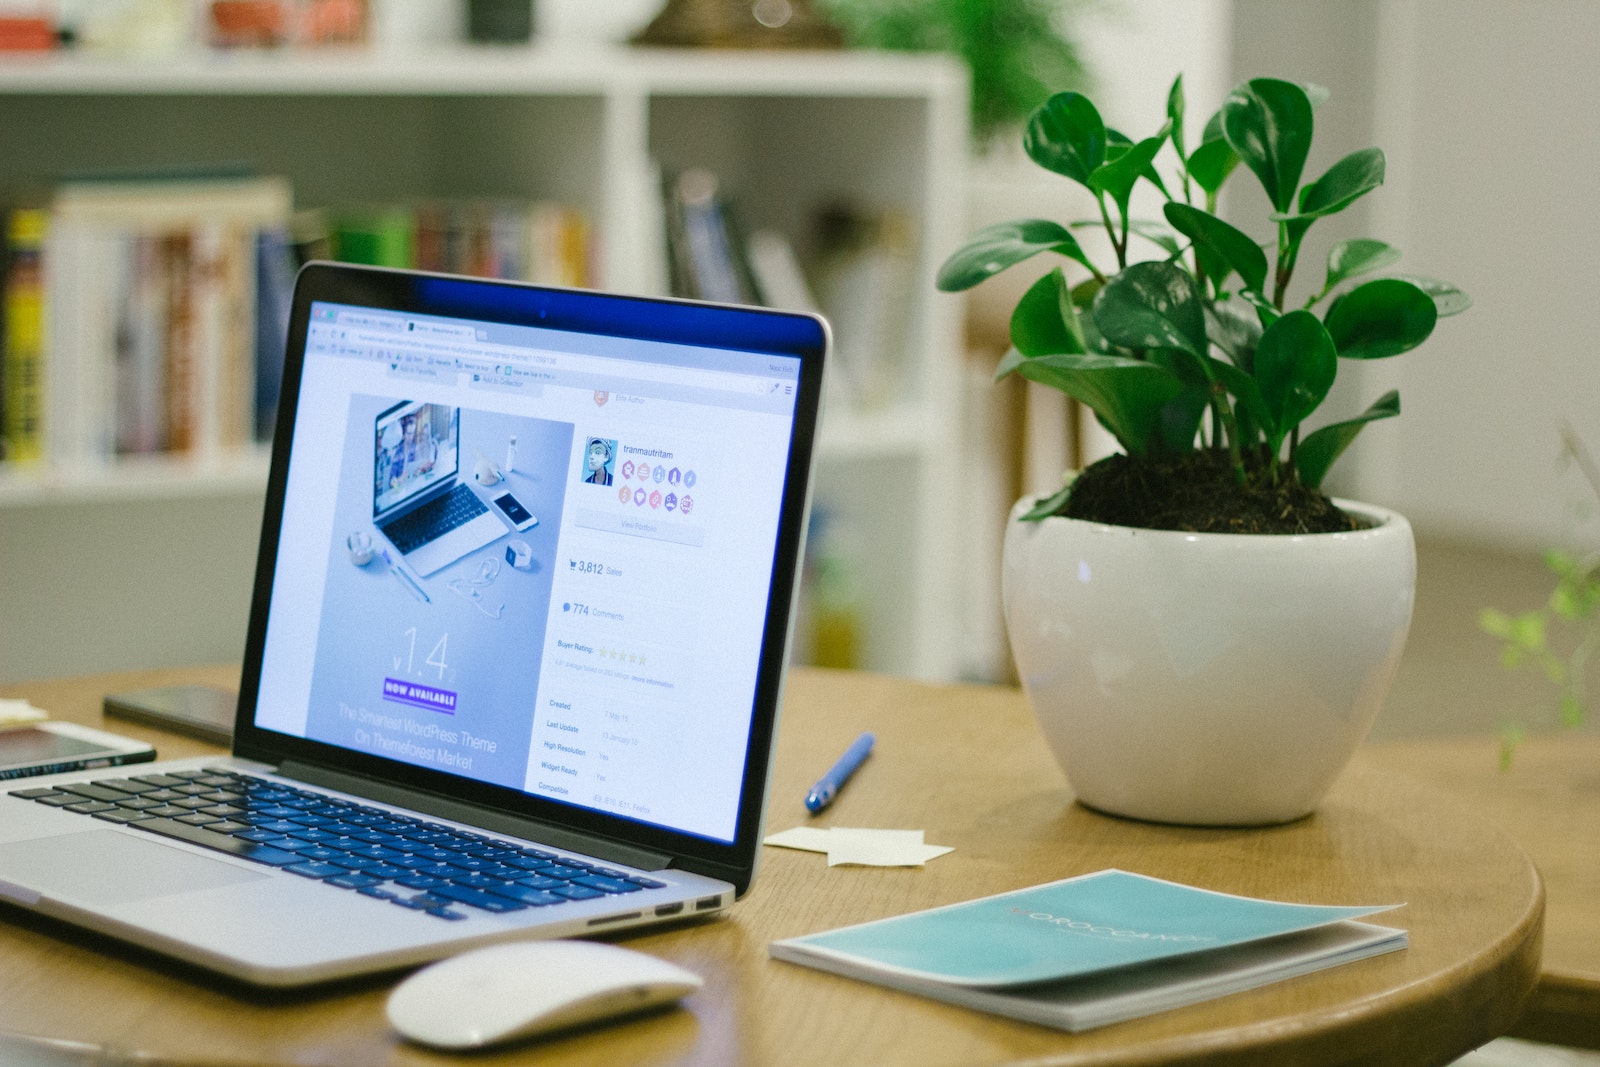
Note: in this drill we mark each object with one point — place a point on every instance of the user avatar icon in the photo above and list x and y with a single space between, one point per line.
598 456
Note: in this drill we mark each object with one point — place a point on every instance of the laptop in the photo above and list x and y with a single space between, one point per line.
566 731
419 503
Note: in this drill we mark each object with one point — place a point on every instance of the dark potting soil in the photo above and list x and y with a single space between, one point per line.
1200 493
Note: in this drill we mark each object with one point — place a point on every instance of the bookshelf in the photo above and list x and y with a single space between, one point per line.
588 124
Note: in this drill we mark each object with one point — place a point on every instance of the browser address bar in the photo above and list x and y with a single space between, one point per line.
545 359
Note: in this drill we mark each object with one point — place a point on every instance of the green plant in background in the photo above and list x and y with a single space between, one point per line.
1199 351
1017 49
1574 606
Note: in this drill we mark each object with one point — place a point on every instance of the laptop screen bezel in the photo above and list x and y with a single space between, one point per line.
756 330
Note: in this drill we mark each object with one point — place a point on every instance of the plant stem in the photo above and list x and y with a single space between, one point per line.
1120 247
1284 267
1230 427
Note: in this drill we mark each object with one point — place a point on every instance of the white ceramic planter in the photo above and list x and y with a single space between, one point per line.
1213 679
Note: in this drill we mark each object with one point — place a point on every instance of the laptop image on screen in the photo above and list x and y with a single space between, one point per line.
567 730
418 501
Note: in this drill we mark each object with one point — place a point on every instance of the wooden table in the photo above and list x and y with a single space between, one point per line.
1549 800
967 765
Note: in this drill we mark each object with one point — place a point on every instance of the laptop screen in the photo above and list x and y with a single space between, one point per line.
415 449
601 652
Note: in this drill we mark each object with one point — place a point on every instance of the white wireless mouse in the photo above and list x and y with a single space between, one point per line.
515 990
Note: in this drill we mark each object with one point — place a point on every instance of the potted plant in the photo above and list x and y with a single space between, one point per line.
1204 635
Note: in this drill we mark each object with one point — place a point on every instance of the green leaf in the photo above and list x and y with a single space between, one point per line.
1175 107
1128 395
1349 258
1152 305
1084 292
1065 134
1319 450
1040 325
1116 177
1447 299
1381 318
1235 247
1265 311
1564 603
1495 623
1528 631
1250 407
1211 163
1346 181
1050 506
1118 143
1295 367
1005 244
1268 122
1009 362
1234 330
1156 234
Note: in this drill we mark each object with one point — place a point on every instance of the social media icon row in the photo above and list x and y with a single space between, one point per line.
658 474
656 499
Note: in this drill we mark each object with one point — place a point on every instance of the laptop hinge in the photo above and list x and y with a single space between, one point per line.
474 815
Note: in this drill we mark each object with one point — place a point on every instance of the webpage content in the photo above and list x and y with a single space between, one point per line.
531 558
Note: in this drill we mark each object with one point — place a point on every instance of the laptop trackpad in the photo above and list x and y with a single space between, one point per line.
107 867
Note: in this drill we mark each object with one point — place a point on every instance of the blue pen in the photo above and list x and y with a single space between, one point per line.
822 793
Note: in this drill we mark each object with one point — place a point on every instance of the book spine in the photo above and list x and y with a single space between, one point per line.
274 286
25 336
209 337
146 425
63 319
238 313
183 386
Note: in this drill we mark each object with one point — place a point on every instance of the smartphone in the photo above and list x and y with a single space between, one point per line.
52 747
202 711
519 517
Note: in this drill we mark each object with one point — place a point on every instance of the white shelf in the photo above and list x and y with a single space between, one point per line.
136 478
572 68
589 124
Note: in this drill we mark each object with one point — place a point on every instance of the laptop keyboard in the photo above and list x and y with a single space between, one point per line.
411 862
434 519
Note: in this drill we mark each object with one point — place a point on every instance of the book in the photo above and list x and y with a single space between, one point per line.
22 351
706 252
150 294
1096 949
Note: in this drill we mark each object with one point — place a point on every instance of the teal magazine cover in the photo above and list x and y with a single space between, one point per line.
1094 949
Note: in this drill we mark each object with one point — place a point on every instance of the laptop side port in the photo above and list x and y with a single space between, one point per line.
603 920
669 909
707 903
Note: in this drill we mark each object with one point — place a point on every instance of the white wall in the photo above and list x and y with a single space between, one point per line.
1492 138
1484 111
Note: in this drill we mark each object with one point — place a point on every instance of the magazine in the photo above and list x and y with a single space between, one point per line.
1095 949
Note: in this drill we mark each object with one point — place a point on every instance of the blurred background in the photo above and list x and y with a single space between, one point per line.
839 143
